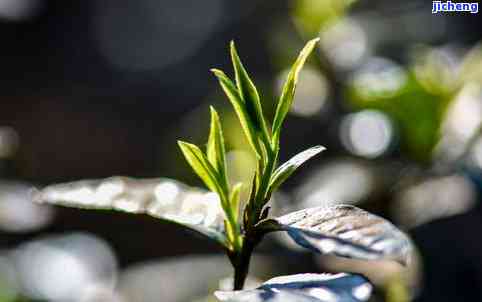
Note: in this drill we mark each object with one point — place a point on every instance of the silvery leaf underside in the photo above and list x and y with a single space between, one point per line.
305 288
162 198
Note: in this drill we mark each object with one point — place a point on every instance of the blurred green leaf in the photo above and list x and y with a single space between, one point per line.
312 15
417 113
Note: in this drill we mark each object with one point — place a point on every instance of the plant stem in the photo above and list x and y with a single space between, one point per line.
240 274
241 258
241 264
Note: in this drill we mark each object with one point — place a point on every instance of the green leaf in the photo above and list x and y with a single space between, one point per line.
344 231
249 94
305 288
234 198
162 198
200 164
285 170
215 148
239 107
288 93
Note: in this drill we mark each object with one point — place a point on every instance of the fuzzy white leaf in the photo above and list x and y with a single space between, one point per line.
162 198
346 231
305 288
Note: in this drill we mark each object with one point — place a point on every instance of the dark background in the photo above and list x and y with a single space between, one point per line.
95 88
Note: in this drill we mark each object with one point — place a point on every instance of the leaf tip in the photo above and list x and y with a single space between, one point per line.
315 40
232 46
217 72
234 54
214 113
238 186
183 145
319 148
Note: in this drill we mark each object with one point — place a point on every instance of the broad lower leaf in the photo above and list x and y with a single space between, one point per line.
285 170
345 231
237 102
305 287
248 92
289 88
162 198
200 164
215 149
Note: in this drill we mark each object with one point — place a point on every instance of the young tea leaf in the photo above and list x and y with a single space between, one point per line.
285 170
288 92
234 97
305 288
216 152
234 198
162 198
248 93
200 164
345 231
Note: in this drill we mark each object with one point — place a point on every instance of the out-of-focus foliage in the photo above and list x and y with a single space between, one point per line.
68 267
416 111
416 98
311 15
166 280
